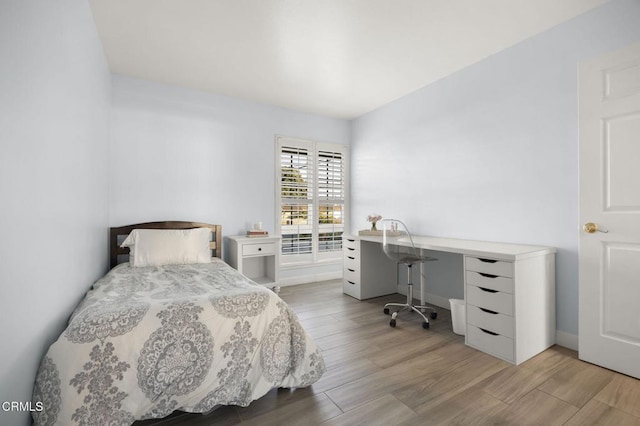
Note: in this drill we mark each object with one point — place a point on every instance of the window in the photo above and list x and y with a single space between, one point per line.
311 187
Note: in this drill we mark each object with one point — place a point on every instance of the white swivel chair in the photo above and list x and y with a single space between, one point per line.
405 254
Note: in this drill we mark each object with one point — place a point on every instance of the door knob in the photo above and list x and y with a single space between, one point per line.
591 228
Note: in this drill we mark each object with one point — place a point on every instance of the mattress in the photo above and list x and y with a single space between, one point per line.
147 341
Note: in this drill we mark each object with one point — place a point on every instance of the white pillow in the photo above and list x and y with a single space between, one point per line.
155 247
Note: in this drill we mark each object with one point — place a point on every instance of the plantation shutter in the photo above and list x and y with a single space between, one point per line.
296 200
331 196
311 197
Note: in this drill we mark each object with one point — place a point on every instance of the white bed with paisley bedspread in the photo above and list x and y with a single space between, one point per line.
146 341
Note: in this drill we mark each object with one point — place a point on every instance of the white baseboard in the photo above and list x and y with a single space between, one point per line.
310 278
567 340
430 299
439 301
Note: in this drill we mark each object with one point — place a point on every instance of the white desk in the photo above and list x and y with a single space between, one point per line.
509 289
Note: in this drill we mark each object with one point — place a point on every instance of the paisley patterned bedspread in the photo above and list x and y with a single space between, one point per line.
147 341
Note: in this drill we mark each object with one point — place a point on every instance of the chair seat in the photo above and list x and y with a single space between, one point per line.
408 259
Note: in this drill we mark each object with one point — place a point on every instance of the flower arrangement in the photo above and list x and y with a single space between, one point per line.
374 218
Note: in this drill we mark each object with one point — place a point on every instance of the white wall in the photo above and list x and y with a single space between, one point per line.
54 109
491 152
180 154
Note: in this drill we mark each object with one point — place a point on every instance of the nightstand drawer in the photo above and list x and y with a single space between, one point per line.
258 249
490 299
493 282
489 266
490 320
492 343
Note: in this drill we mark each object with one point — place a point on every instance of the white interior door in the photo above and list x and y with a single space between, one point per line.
609 105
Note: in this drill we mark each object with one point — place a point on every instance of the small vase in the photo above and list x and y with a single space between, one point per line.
373 226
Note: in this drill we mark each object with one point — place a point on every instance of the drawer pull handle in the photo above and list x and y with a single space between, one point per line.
259 248
488 275
488 290
350 240
489 332
349 248
351 270
487 260
351 282
352 258
489 311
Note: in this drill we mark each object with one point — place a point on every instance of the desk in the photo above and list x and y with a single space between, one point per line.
509 289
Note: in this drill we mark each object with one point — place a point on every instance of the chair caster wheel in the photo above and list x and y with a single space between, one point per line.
425 325
386 311
392 323
434 315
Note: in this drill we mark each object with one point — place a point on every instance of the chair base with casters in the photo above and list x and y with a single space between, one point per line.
410 306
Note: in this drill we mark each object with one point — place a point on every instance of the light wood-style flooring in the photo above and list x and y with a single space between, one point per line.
378 375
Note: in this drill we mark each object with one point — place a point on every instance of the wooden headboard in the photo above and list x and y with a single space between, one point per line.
114 233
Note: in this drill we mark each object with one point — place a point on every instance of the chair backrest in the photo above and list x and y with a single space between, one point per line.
394 231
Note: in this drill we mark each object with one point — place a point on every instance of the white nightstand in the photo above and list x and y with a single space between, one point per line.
256 257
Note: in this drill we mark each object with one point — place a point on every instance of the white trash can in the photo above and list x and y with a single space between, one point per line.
458 317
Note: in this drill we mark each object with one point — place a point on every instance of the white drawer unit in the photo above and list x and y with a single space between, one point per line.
257 258
510 306
351 267
366 272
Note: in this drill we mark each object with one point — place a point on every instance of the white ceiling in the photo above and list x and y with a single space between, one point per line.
340 58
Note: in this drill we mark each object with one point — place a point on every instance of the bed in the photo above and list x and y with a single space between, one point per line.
147 340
